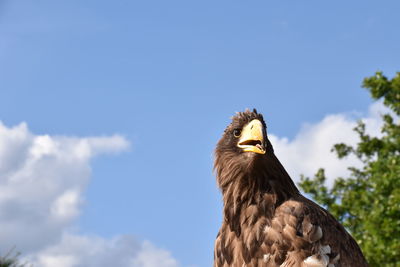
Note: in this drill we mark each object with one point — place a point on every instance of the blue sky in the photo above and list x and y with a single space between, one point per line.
165 76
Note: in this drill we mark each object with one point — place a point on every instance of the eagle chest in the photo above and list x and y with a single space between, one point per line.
265 237
244 241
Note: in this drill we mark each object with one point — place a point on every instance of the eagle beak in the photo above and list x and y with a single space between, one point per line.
252 138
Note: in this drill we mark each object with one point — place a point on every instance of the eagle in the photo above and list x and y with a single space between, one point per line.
266 220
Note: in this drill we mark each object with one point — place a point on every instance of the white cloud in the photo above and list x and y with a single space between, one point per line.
94 251
66 205
311 147
42 181
150 256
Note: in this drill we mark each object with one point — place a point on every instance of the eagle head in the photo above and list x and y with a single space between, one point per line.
243 145
246 133
244 156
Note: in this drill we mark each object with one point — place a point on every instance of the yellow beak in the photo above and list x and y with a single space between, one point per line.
252 137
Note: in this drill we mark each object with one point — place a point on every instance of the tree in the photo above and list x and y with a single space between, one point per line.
367 202
11 260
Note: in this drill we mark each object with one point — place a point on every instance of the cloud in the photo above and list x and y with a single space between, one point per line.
94 251
311 148
42 182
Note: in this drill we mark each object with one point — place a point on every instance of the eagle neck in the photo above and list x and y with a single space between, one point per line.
259 188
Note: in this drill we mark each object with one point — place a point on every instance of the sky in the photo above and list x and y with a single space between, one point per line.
109 114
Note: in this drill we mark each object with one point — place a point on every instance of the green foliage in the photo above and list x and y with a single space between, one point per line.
368 202
11 260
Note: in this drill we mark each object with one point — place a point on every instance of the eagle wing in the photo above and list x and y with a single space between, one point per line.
303 234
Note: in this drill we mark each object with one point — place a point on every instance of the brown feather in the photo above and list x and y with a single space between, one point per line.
267 222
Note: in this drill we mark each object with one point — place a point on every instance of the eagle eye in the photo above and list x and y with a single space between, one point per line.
237 132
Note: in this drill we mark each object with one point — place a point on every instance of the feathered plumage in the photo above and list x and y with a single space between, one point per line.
267 222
